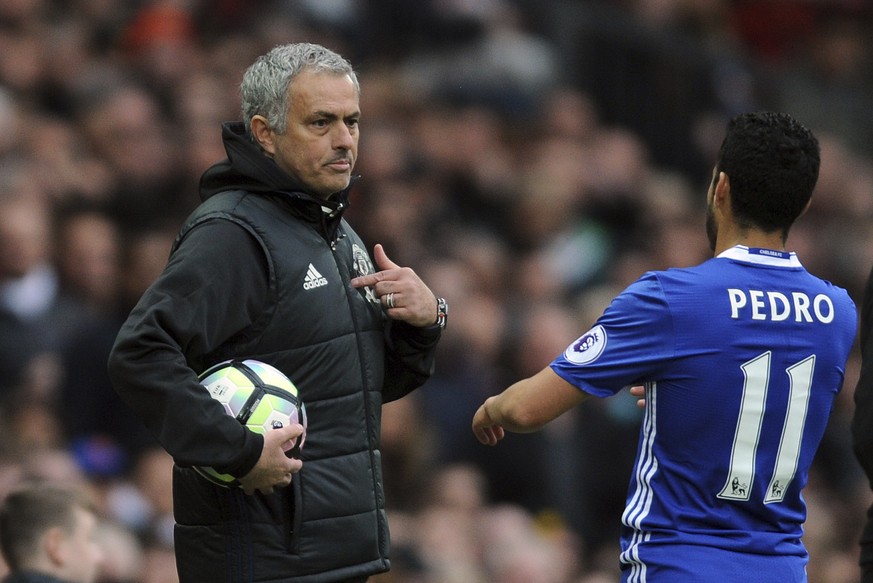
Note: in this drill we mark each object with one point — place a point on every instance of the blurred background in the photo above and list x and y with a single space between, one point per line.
529 158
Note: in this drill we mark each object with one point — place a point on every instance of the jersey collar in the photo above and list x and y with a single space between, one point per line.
761 256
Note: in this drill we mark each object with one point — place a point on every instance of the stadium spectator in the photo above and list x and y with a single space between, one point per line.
48 534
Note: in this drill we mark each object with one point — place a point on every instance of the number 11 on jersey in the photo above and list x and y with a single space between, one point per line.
741 474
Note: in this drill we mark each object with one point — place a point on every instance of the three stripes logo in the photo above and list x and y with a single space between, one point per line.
313 279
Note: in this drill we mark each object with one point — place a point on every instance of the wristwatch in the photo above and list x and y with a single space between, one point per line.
442 313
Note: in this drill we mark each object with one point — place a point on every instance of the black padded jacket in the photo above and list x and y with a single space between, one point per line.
862 422
261 270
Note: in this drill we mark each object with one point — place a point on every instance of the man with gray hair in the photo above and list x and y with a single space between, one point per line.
266 268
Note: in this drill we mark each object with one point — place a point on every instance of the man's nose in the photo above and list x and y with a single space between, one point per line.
343 137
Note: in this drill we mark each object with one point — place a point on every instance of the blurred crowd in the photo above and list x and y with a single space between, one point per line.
529 158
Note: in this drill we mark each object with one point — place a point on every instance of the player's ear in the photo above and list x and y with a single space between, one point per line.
722 189
263 134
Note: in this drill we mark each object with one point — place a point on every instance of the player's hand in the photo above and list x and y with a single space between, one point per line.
485 429
274 469
640 392
402 293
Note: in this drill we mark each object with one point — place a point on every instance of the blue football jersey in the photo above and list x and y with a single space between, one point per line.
742 357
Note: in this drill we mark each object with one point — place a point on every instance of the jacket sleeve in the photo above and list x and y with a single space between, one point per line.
409 358
213 286
862 423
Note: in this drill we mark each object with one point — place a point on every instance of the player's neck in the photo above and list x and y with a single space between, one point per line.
749 238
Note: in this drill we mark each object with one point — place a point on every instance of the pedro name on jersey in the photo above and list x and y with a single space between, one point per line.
775 306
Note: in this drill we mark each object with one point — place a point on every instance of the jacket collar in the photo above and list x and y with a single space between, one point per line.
247 168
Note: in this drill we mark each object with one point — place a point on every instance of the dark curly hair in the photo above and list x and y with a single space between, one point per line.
772 162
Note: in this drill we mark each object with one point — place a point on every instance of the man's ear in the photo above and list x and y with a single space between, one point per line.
53 544
722 184
263 134
722 190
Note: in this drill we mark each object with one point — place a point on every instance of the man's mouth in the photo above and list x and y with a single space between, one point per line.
341 164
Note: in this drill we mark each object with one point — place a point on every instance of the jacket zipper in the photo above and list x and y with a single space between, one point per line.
377 487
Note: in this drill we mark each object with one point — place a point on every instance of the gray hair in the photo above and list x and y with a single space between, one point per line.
264 88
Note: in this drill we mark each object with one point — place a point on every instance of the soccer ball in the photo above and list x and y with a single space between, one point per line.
260 397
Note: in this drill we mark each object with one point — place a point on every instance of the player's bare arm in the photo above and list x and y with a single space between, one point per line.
525 406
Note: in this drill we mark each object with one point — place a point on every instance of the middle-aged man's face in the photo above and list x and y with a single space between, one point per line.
320 144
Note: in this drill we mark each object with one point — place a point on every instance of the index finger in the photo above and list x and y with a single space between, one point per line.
366 280
285 433
292 430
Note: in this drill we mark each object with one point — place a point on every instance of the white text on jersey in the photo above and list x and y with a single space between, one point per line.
777 307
